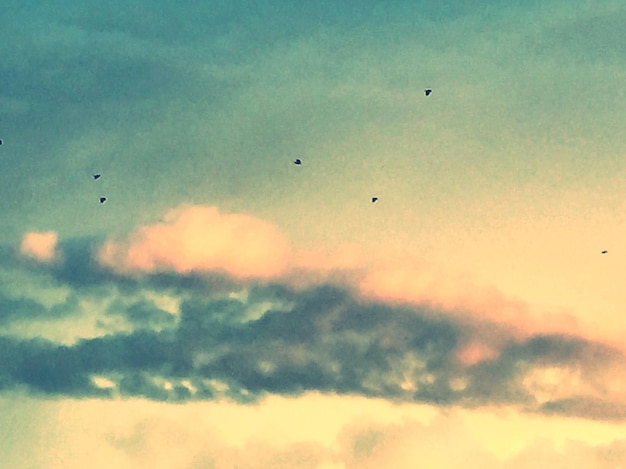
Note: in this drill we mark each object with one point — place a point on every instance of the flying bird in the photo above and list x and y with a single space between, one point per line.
604 252
374 199
96 176
298 161
427 92
103 200
0 141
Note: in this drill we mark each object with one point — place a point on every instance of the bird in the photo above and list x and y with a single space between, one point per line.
1 141
103 200
605 251
427 92
97 176
298 161
374 199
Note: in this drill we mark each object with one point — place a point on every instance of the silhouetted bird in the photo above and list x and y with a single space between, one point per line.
96 176
374 199
297 162
427 92
0 141
604 252
103 200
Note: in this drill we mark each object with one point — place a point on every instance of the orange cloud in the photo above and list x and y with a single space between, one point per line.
39 245
200 238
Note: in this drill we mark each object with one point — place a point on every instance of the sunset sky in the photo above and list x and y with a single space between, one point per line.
226 308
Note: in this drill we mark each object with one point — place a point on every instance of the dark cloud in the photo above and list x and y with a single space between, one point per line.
78 266
21 308
145 314
29 310
328 341
573 374
43 367
586 407
32 274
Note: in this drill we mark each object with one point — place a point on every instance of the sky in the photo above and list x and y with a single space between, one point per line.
227 308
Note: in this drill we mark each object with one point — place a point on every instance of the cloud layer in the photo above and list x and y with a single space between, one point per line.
185 312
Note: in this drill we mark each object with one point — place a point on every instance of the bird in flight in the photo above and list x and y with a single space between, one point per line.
103 200
374 199
298 161
0 141
605 251
96 176
427 92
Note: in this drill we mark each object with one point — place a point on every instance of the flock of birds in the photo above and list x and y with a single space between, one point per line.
297 162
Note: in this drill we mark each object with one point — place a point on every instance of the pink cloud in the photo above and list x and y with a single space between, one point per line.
475 352
39 245
200 238
459 296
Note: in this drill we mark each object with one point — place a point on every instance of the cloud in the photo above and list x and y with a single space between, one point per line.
202 241
270 339
327 342
594 408
203 306
199 239
41 246
13 309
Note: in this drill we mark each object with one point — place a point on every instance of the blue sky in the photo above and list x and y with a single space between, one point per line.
220 279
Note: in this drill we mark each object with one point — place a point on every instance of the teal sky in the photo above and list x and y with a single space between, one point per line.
210 104
497 194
